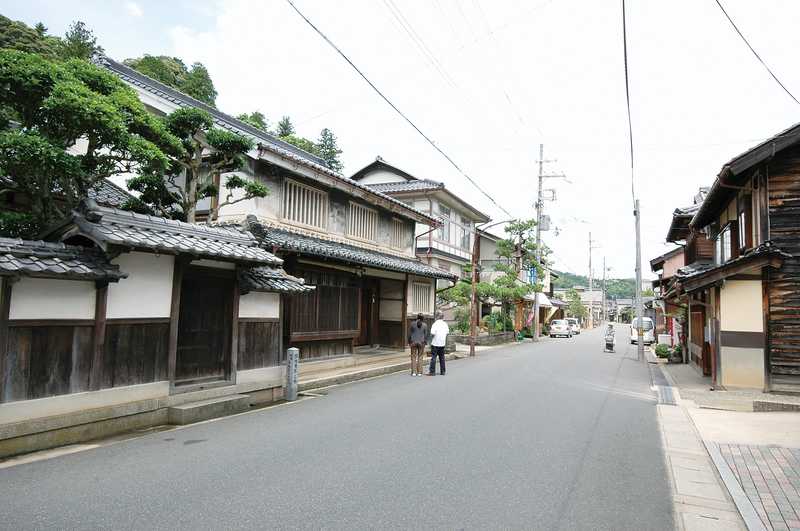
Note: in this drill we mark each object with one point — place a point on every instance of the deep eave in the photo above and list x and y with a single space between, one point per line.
766 255
659 260
732 171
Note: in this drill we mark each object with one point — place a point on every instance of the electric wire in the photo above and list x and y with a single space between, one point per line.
778 81
397 110
628 96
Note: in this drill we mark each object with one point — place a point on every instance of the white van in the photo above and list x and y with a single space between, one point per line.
648 331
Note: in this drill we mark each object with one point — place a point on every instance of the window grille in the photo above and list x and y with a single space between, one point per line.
399 237
363 222
443 232
421 300
305 205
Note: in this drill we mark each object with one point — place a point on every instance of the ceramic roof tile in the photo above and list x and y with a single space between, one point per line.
406 186
271 279
109 226
55 260
304 244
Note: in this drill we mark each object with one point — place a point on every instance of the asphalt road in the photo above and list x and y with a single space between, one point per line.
555 435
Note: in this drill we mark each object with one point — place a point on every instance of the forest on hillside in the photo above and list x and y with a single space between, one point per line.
617 288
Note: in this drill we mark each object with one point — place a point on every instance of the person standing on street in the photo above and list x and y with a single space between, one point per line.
439 331
417 337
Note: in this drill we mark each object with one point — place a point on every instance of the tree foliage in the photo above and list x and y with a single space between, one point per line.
616 288
206 153
575 307
517 253
194 81
329 151
79 41
256 119
285 127
67 125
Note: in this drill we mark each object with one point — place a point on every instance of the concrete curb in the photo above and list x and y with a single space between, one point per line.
740 499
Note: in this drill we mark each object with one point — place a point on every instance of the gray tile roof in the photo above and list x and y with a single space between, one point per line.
113 227
271 279
308 245
264 140
109 194
420 185
55 260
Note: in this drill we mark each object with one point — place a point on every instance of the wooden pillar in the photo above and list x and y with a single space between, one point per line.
404 311
234 331
174 314
99 336
5 309
766 317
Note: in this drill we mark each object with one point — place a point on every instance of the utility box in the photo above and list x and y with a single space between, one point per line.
665 339
292 369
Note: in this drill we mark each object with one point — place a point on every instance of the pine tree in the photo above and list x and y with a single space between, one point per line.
79 43
328 150
256 119
285 127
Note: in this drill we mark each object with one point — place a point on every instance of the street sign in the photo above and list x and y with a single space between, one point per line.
545 225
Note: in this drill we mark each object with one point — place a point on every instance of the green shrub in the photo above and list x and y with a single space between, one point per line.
662 351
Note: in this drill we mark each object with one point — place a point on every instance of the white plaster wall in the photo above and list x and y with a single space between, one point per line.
260 305
381 176
740 306
742 367
40 298
147 292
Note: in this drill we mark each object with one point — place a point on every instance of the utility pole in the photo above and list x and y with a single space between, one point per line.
539 205
473 306
591 286
604 290
639 309
539 208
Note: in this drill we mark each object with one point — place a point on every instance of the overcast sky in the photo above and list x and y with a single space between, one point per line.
489 81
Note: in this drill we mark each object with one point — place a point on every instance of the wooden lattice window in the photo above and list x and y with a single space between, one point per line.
399 235
362 223
421 298
305 205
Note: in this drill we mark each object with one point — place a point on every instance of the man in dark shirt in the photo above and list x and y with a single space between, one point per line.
417 337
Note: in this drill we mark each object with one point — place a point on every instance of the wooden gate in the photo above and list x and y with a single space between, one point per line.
204 326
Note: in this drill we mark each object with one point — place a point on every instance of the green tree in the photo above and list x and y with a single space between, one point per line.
18 36
329 151
303 143
575 307
50 107
256 119
196 82
79 43
207 152
285 127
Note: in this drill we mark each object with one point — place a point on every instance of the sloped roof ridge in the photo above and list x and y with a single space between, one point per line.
215 232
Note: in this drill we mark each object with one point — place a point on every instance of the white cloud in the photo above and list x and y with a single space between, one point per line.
134 9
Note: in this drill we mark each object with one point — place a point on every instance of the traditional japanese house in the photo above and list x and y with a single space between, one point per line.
354 243
449 247
750 293
119 319
667 318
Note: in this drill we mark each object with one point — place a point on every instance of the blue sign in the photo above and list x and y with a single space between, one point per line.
532 275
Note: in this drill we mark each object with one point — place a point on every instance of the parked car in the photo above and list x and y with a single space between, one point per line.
560 327
575 325
648 331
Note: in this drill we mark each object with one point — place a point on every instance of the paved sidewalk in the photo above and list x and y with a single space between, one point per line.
700 499
697 388
770 476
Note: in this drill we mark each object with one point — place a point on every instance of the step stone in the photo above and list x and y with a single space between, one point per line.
208 409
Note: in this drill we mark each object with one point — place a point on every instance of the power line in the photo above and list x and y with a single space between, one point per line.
398 111
778 81
628 94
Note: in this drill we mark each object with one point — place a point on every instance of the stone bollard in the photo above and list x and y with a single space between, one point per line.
292 363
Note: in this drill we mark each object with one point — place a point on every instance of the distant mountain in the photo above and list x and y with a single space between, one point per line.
617 288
